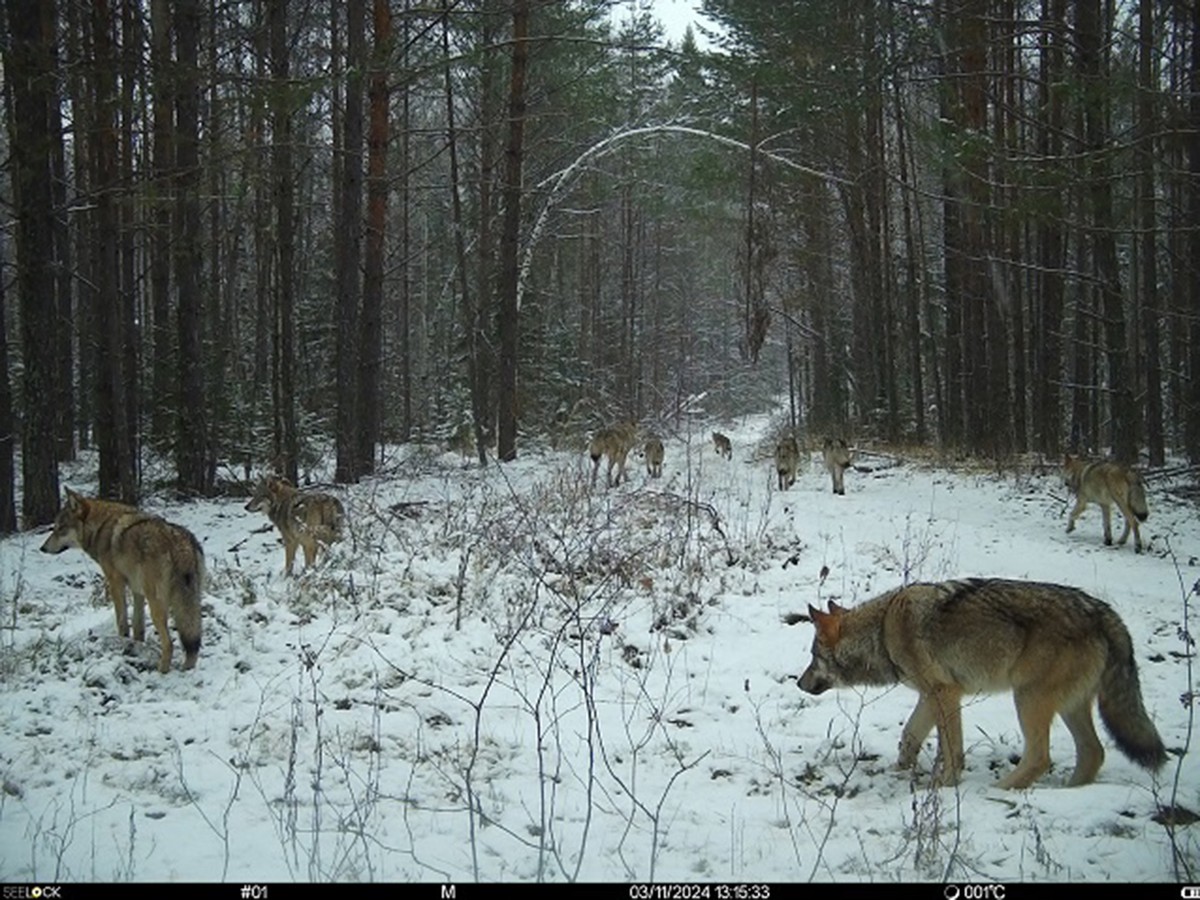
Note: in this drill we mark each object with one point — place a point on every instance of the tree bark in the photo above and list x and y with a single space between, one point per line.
29 73
348 244
371 328
194 472
285 441
510 234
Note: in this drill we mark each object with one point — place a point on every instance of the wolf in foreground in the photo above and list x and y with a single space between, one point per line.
614 443
787 460
837 460
306 519
1056 648
161 563
1105 483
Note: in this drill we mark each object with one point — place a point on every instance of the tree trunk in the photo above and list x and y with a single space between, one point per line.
510 235
64 272
348 244
1192 404
1147 253
1092 35
29 74
1050 246
113 383
371 328
285 441
8 443
163 390
192 445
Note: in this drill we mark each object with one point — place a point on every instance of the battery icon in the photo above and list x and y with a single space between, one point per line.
1190 892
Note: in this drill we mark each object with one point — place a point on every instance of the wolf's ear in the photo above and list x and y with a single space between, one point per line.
74 500
837 610
829 625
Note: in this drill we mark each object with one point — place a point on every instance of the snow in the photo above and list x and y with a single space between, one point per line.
604 678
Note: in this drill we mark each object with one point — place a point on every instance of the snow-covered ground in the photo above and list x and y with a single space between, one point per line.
502 674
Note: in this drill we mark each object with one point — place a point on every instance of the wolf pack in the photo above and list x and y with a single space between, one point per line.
1058 650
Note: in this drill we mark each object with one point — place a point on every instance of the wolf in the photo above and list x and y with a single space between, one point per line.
837 460
613 442
1056 648
787 460
305 518
1105 483
161 562
722 445
654 456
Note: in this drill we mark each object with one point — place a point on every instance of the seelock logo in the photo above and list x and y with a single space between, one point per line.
32 892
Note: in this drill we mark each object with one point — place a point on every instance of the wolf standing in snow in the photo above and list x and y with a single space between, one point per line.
1056 648
307 519
1105 483
161 563
613 442
837 460
787 460
654 456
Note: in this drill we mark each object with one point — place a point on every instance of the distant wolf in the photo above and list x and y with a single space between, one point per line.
304 518
462 440
654 456
1106 483
1056 648
161 563
613 442
722 445
787 460
837 460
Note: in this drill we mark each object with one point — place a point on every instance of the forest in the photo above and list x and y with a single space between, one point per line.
246 234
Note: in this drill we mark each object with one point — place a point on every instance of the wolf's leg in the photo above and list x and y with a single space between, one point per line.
916 729
947 711
1035 712
1080 506
116 593
158 615
1089 752
1131 523
1106 512
289 554
139 617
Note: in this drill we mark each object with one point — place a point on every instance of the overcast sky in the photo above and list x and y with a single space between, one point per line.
675 16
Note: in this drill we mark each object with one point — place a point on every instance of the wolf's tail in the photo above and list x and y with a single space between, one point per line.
190 575
1137 497
1120 700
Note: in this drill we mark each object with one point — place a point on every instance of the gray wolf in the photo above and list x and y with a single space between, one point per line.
837 460
1105 483
787 460
1056 648
722 445
614 443
161 563
306 519
654 456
